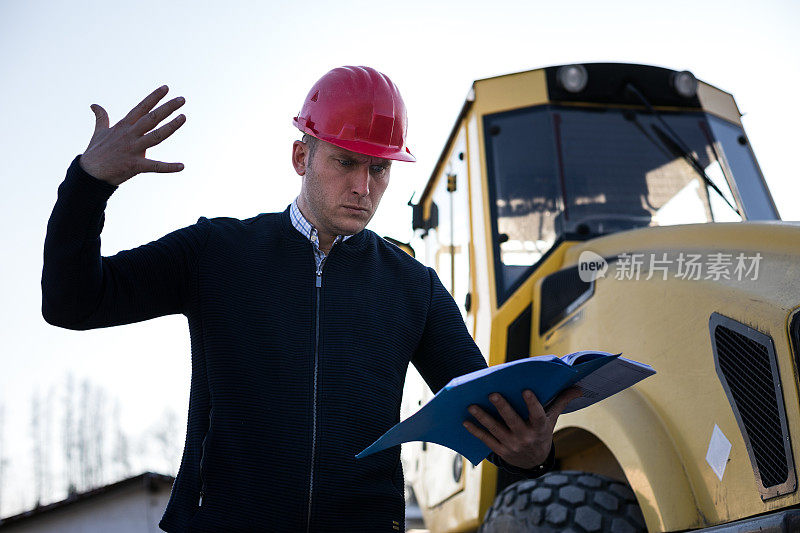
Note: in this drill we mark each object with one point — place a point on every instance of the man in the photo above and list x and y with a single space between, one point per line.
302 323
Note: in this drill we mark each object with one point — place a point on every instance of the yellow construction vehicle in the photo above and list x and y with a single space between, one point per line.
619 207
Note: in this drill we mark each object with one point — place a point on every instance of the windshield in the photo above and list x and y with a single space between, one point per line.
555 171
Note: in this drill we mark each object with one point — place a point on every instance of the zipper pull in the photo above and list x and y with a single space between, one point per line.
200 503
319 278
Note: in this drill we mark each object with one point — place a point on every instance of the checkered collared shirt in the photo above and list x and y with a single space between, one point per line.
310 232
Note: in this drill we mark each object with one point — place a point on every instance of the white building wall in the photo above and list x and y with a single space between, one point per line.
131 509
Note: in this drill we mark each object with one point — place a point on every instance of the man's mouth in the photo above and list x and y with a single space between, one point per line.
356 209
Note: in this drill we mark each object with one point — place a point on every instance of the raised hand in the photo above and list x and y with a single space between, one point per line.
116 154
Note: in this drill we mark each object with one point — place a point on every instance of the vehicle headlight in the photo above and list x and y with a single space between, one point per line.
684 83
572 78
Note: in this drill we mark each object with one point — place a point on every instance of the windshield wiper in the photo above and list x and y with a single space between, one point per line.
677 146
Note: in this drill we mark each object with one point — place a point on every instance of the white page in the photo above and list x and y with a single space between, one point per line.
607 380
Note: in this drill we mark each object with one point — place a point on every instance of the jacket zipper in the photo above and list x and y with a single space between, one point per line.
202 459
318 287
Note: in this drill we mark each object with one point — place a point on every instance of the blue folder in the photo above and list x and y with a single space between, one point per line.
597 374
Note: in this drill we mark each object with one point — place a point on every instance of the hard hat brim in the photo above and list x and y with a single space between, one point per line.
365 148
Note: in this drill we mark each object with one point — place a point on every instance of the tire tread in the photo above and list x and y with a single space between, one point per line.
565 500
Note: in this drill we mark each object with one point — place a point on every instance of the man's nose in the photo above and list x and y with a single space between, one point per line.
360 184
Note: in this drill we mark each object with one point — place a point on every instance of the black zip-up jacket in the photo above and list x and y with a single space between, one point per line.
292 373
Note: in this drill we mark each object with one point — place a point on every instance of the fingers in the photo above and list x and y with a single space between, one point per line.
100 118
148 165
145 105
489 422
154 118
485 437
157 136
537 414
510 416
117 154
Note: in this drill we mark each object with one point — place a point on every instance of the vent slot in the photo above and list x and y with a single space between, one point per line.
562 293
794 334
518 341
747 368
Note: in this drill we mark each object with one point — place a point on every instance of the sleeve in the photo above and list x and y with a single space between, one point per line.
530 473
447 350
82 290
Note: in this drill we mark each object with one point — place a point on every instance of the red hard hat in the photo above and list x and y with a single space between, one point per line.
358 109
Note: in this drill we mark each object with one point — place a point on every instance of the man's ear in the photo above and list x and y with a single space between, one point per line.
300 157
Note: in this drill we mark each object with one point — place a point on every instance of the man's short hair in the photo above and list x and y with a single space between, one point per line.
312 143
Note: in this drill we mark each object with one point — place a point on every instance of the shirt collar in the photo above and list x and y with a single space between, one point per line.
302 225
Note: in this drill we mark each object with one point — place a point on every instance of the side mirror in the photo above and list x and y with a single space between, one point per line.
417 220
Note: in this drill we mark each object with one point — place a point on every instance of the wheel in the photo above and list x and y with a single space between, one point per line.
565 501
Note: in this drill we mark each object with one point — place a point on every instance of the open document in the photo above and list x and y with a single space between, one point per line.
598 374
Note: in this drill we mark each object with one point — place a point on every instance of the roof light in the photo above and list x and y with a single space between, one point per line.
684 83
572 78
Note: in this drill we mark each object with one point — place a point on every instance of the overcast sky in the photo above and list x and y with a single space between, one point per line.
244 68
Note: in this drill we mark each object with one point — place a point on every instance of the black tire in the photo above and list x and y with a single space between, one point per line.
565 501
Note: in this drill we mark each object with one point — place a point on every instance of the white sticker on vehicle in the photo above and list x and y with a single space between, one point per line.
719 450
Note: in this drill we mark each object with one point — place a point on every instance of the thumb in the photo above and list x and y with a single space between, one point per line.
101 118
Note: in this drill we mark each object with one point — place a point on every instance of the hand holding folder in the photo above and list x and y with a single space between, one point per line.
597 374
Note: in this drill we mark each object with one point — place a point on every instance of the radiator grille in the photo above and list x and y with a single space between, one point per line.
747 368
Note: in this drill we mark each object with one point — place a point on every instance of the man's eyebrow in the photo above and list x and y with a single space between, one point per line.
342 154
